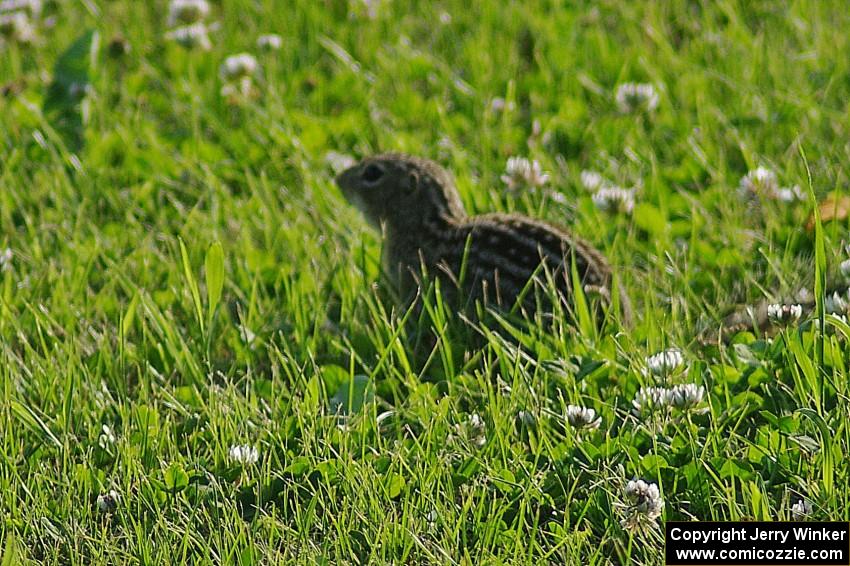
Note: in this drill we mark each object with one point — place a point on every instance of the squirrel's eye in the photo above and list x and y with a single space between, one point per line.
372 173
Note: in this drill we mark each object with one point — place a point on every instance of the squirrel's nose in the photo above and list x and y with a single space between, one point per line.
343 178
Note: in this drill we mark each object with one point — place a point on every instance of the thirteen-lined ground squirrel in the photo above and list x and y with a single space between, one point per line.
424 222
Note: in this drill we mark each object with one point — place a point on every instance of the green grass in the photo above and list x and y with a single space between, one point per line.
185 273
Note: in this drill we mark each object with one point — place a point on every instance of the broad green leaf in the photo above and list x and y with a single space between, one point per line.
147 419
175 478
298 467
71 79
504 480
652 463
758 504
334 376
188 396
806 365
330 469
394 483
735 469
352 395
650 219
10 551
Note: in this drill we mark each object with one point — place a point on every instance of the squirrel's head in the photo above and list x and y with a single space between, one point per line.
401 191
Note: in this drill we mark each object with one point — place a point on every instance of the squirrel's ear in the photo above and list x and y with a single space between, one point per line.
412 182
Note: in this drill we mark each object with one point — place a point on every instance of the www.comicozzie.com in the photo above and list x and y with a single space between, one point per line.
757 543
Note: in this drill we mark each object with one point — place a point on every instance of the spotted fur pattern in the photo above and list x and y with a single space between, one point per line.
494 257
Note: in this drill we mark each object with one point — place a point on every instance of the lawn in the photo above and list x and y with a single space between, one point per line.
202 362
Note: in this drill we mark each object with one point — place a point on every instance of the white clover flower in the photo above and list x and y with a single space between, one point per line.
643 505
789 194
835 304
269 42
474 430
187 11
16 26
830 324
597 291
801 510
646 497
479 436
238 91
686 396
636 97
106 438
238 66
6 260
582 417
761 181
445 18
431 518
31 7
592 180
248 336
521 172
665 362
614 199
649 399
339 162
526 418
244 454
108 502
784 314
844 268
557 197
804 296
192 36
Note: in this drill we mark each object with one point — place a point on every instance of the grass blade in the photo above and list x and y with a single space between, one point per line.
582 311
820 261
214 271
192 283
